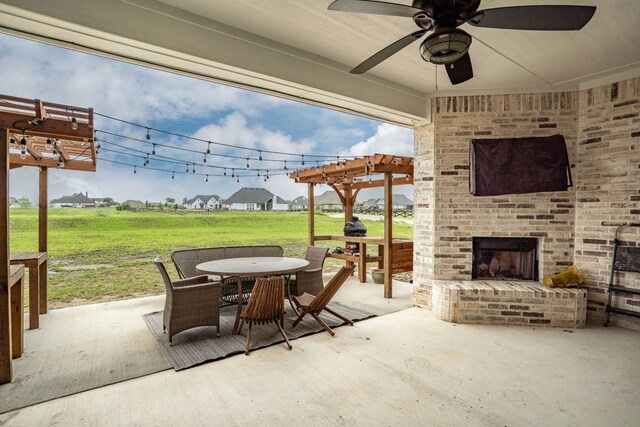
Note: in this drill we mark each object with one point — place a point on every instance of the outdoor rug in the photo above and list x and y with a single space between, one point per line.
200 345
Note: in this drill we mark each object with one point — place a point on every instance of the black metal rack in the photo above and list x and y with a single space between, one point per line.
625 258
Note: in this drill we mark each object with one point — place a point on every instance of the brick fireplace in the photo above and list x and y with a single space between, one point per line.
600 128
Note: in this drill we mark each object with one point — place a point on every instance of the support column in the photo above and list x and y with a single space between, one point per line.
6 373
388 234
42 236
348 204
311 212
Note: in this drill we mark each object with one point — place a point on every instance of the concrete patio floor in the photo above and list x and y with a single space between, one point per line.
403 368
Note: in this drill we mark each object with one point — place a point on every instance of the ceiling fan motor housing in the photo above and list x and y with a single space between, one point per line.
445 46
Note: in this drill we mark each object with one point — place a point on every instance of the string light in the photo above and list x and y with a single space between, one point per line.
153 151
209 147
233 173
260 155
187 167
61 163
49 145
74 123
285 165
247 163
207 179
204 160
23 147
134 170
12 141
173 175
302 156
225 172
194 168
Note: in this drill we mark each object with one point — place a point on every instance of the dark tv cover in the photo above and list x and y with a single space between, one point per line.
518 165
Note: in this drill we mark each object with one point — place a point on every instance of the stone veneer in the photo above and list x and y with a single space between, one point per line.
600 127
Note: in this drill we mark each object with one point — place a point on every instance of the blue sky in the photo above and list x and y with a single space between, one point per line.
183 105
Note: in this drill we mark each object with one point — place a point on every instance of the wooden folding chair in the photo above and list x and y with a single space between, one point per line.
266 305
309 304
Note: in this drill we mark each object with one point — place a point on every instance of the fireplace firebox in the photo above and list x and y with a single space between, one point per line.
505 258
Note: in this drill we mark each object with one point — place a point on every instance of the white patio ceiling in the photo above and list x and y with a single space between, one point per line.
299 49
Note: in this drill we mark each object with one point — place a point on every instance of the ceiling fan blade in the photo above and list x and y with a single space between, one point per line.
460 71
388 51
542 18
374 7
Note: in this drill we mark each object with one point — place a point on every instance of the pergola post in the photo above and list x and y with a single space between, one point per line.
348 203
6 373
388 234
311 212
42 235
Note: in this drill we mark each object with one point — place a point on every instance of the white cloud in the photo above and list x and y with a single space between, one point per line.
388 139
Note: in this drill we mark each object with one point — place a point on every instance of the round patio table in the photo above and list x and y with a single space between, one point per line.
252 267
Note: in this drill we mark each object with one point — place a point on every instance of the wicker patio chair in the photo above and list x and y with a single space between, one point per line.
189 303
314 305
309 280
266 305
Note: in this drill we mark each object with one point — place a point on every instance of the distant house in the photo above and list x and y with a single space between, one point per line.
76 200
329 201
133 203
279 204
369 203
398 202
300 203
251 199
208 202
104 202
13 202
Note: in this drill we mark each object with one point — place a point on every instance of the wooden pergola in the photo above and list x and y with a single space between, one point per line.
347 178
42 134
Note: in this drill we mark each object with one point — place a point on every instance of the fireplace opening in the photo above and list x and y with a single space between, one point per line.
505 258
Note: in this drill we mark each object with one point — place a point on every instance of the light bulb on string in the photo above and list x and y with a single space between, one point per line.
302 160
194 168
173 175
285 165
149 134
61 163
153 151
74 123
260 156
225 172
207 179
134 170
12 141
204 160
233 173
247 163
49 145
209 147
187 167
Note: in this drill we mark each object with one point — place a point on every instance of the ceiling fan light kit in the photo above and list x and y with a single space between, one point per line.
445 46
449 45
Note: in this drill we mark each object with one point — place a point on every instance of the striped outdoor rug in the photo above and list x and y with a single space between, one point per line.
200 345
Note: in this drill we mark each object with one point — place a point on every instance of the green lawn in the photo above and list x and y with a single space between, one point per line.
103 254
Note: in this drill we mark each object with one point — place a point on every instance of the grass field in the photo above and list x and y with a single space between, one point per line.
104 254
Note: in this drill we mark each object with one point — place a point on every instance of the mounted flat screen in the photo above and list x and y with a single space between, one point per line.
518 165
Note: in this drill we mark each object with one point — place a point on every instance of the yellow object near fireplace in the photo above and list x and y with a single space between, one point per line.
568 278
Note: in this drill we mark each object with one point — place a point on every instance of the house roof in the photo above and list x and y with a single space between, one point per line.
204 198
76 198
397 199
300 200
329 197
279 200
250 195
133 203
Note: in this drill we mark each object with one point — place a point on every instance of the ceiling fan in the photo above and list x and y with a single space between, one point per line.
448 45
